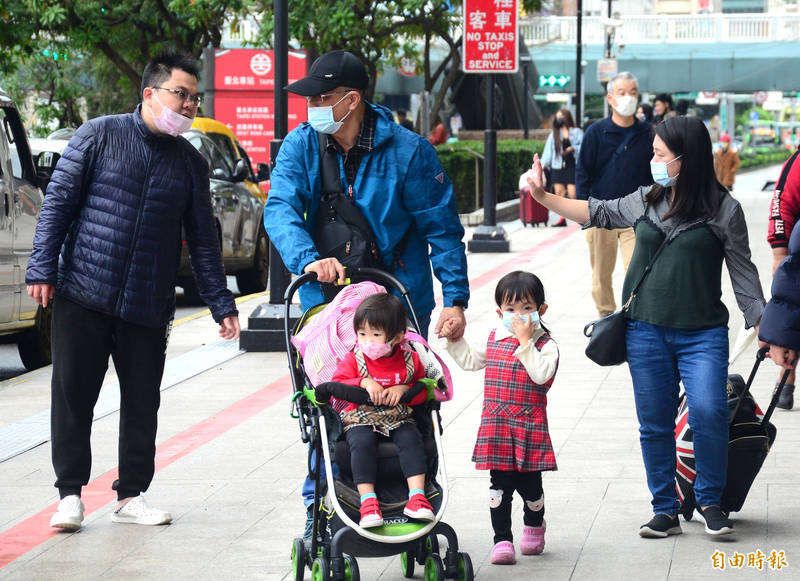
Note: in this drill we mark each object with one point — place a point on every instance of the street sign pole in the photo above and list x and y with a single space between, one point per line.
491 46
265 326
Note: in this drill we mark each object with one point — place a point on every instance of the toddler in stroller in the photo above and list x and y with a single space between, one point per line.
367 509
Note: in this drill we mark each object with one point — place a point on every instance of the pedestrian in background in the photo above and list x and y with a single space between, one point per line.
403 120
783 217
106 253
513 440
726 162
614 159
396 182
645 112
560 152
676 330
663 107
438 133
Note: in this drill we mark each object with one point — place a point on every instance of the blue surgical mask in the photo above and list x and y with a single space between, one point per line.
321 118
661 175
529 318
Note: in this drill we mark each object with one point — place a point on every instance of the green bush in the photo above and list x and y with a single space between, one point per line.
760 159
514 157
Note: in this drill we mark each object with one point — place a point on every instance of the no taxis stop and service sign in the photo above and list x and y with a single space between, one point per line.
491 41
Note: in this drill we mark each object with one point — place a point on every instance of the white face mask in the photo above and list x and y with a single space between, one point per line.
626 105
321 118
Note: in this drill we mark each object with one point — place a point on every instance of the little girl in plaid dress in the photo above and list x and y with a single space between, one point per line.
513 441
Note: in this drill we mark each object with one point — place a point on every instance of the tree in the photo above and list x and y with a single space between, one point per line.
112 40
381 34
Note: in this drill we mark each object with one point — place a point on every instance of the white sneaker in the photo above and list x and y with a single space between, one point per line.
137 511
69 515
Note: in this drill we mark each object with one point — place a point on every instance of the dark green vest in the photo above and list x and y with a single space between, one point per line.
683 289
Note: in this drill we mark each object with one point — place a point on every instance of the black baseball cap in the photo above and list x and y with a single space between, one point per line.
337 68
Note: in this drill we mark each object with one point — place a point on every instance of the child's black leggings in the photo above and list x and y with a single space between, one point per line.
363 441
501 493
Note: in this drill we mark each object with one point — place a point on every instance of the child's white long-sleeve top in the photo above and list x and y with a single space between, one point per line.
540 365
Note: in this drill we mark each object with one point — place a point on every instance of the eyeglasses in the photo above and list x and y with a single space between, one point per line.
320 98
195 100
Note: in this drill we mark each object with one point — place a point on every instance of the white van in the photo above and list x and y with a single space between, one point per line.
22 183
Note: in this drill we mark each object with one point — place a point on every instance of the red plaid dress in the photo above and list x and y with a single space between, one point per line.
513 434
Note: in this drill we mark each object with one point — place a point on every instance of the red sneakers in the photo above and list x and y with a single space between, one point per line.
370 514
419 508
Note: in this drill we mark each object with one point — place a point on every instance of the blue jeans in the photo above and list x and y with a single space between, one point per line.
658 358
308 484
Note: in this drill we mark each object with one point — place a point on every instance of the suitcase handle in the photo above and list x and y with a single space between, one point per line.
760 356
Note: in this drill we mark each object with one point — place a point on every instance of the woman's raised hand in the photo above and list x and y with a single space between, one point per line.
536 178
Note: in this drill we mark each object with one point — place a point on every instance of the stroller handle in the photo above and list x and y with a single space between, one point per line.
358 272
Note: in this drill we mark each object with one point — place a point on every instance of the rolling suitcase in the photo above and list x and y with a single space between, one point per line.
750 438
531 211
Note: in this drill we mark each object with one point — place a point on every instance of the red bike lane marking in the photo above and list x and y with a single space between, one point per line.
35 530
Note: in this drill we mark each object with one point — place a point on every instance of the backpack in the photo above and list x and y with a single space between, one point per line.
342 232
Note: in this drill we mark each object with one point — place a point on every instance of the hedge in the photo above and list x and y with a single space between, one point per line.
514 157
759 159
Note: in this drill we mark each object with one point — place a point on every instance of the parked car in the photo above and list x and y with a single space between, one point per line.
23 180
239 213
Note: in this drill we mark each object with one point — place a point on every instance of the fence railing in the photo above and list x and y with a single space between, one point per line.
705 28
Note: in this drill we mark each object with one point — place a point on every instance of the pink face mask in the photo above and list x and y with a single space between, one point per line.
170 122
376 350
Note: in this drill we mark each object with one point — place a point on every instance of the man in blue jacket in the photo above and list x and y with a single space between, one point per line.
614 161
393 176
395 180
108 247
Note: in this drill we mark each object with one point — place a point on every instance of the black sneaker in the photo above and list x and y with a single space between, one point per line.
786 400
660 526
717 523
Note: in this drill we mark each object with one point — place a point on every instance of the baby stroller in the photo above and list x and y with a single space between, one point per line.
337 539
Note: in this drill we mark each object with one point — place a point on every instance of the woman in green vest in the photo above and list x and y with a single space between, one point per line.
677 324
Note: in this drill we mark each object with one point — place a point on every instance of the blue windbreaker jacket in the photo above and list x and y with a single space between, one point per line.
400 185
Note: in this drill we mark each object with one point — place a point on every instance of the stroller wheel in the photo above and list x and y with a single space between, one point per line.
298 559
407 565
351 572
321 569
464 571
434 568
432 544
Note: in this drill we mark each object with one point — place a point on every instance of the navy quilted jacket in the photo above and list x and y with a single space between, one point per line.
109 233
780 323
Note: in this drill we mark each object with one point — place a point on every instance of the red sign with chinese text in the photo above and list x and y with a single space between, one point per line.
244 81
491 36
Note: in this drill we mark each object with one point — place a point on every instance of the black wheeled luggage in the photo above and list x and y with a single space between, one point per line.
750 438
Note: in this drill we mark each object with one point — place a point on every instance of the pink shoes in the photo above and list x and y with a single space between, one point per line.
532 540
503 553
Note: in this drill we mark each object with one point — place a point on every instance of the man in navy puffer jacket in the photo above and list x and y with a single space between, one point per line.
108 246
780 323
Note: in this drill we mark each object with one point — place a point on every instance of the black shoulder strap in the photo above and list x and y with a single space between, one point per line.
616 153
787 167
329 168
649 267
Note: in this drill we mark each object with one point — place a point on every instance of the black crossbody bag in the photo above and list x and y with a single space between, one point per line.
607 335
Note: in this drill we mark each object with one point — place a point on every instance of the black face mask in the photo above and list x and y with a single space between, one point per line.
558 123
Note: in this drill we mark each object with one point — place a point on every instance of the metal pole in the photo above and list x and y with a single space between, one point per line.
579 69
490 158
278 275
525 99
209 54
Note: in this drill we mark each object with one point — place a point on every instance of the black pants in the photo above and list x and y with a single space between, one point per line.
83 340
363 442
529 487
